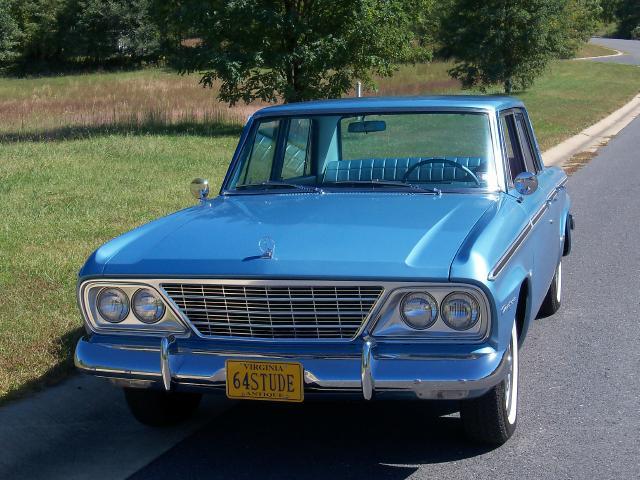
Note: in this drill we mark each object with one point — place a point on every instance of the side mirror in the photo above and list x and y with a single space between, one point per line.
200 188
526 183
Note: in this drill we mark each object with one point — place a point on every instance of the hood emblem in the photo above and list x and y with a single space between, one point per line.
267 246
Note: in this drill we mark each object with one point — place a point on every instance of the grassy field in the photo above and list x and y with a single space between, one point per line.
84 158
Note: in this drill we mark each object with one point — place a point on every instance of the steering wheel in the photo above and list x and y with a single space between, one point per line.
441 160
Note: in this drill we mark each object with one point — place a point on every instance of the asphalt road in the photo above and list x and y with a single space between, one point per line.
580 389
630 48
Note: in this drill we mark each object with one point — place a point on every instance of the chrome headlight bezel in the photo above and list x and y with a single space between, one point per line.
388 323
169 323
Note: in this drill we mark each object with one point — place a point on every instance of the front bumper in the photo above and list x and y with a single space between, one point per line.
363 369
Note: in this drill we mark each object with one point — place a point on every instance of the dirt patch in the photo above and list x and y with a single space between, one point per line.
578 161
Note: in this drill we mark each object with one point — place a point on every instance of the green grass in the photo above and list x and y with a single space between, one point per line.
60 201
71 181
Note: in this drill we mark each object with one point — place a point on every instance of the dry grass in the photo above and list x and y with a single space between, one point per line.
593 50
48 106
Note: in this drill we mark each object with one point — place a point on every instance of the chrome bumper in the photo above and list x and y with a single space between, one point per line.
364 369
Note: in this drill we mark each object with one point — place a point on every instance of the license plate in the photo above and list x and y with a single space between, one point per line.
275 381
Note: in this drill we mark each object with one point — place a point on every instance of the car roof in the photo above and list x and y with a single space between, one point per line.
391 104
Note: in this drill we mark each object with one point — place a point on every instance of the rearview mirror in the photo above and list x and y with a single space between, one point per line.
367 126
199 188
526 183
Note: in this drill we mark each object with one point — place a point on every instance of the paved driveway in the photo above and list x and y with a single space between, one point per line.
631 49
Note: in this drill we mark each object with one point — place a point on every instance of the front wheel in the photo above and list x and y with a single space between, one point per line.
553 299
491 418
157 408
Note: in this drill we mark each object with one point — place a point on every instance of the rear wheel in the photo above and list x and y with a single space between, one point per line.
553 299
158 408
491 419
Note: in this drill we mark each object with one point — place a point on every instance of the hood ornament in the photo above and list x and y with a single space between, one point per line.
267 246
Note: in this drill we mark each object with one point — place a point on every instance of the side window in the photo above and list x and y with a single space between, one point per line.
257 167
515 161
297 152
527 145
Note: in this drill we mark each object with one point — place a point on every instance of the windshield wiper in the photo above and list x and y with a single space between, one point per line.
277 184
389 183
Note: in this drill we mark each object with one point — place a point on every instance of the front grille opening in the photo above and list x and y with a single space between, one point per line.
275 312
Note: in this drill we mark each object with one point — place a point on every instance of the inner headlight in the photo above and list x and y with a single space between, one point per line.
460 311
148 307
113 305
419 310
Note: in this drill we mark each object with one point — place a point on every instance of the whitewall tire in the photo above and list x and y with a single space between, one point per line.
492 418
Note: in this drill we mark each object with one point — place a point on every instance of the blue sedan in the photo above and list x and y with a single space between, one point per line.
384 248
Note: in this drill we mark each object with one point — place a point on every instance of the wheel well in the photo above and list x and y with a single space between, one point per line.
521 309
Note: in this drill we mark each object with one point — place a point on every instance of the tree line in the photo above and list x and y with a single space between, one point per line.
303 49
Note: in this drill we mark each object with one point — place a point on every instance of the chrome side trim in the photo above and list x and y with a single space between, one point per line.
539 214
506 257
513 248
365 373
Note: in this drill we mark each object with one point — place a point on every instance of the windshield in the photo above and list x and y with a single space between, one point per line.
431 151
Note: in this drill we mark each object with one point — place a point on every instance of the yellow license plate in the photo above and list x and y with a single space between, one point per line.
275 381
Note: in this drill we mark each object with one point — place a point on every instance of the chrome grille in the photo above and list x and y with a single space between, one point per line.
270 311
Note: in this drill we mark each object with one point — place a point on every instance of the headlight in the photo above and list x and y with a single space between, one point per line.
147 306
419 310
113 305
460 311
128 308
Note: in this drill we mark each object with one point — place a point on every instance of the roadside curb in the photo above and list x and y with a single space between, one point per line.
617 54
592 138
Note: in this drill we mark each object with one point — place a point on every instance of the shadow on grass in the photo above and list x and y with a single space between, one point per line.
150 128
56 67
55 374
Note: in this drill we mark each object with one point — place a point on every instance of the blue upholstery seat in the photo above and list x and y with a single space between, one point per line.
396 168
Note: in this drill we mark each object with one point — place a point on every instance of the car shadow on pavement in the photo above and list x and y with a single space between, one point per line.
318 440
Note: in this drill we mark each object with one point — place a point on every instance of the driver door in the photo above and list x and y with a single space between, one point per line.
542 239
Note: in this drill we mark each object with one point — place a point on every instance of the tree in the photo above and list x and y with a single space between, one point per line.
9 34
508 42
103 29
576 25
292 49
37 22
628 15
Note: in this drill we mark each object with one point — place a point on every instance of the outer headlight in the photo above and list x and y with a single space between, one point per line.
147 306
419 310
113 305
460 311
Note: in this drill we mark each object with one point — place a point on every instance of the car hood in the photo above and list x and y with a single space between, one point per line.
333 235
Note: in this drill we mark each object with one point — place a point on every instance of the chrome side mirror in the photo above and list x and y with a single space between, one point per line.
200 188
526 183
